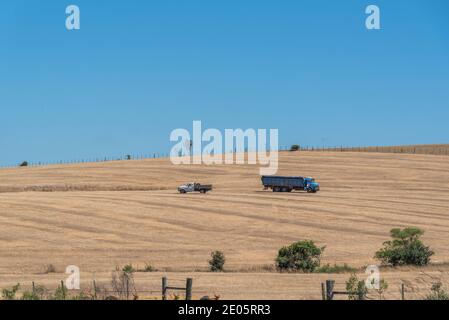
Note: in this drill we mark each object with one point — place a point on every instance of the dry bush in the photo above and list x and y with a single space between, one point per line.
122 283
49 268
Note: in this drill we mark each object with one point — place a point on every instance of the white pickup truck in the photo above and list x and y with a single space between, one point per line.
194 187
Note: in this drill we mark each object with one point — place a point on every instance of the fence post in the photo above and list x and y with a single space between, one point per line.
34 288
164 288
323 291
330 289
189 289
63 289
95 290
361 296
402 291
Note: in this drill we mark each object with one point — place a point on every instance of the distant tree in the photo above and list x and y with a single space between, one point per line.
405 249
302 256
24 164
217 261
295 147
128 157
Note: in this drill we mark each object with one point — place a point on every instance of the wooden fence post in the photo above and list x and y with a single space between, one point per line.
330 289
164 288
189 289
402 291
63 289
95 290
323 291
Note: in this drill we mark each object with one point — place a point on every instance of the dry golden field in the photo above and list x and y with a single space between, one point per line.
102 215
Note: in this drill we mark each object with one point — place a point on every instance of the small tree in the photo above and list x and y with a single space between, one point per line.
23 164
217 261
295 147
302 256
405 248
356 288
437 293
383 286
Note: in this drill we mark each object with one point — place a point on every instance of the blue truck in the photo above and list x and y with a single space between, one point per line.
288 184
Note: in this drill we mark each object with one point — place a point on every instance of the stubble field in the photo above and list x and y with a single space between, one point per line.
102 215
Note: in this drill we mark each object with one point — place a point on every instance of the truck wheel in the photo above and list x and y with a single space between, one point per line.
182 191
203 191
276 189
284 189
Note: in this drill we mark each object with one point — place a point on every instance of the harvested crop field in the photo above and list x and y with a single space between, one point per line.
101 215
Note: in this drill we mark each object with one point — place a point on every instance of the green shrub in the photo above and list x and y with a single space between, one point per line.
405 249
437 293
148 268
302 256
60 293
295 147
38 293
10 294
335 269
217 261
128 269
356 288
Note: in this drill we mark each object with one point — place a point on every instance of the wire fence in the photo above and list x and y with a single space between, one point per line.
442 149
123 289
146 156
177 291
438 149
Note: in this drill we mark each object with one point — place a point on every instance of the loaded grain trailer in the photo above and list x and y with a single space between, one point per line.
288 184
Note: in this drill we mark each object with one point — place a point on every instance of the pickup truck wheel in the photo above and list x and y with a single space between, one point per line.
203 191
182 191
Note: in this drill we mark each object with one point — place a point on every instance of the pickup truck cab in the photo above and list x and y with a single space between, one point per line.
194 187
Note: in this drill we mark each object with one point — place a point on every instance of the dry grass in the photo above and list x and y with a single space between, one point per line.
363 196
244 286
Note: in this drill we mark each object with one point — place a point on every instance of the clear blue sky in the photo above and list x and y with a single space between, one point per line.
139 69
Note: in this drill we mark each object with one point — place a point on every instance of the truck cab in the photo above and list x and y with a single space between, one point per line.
194 187
186 188
310 185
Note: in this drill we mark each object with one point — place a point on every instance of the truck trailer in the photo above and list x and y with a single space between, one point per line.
288 184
